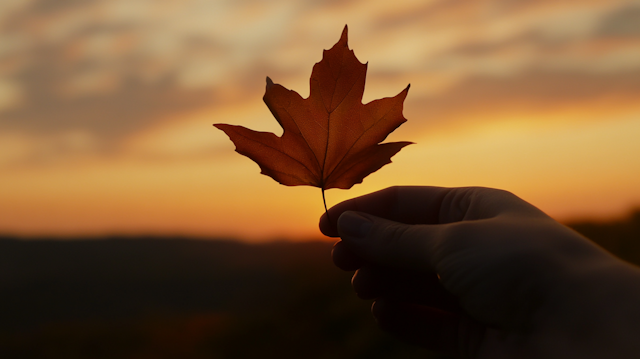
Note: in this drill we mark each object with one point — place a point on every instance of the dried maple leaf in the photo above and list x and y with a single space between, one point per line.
330 139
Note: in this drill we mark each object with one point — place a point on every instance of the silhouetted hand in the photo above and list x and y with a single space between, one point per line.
480 273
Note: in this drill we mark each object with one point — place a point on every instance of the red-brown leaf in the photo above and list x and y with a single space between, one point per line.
330 139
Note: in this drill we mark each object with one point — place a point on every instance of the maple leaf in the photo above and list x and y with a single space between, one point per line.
330 139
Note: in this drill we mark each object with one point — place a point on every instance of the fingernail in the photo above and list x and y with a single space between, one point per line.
354 225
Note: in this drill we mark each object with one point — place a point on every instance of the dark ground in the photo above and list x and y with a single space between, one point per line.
181 298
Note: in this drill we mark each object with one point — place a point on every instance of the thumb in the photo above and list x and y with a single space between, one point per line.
388 243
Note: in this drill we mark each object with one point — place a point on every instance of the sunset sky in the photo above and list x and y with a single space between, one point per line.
107 106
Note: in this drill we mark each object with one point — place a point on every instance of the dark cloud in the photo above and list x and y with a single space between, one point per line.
132 81
329 4
621 21
45 7
530 93
450 13
134 106
481 48
130 104
624 22
427 14
120 100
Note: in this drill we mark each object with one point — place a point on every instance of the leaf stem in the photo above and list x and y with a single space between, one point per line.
324 201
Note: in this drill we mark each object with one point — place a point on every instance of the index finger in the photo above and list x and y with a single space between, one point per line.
409 205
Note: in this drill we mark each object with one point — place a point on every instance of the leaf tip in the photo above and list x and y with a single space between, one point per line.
406 91
226 128
344 36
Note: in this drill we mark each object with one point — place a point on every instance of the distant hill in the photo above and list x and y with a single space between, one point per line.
181 298
620 237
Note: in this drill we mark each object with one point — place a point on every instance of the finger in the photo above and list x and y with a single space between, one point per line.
371 282
390 244
430 328
430 205
427 327
344 259
409 205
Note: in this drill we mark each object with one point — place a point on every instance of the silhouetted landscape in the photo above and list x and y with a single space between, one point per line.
184 298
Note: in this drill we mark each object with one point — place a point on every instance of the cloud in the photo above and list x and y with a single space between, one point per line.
536 94
624 22
132 106
19 149
114 69
77 72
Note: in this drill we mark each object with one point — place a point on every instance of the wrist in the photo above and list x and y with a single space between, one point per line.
596 310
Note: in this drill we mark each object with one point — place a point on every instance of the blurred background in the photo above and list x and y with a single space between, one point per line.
106 137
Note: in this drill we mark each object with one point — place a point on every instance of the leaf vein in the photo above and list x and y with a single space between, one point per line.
278 150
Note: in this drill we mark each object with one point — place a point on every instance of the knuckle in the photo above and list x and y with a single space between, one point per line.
396 234
453 238
391 238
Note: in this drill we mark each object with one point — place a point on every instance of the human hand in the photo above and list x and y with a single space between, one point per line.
480 273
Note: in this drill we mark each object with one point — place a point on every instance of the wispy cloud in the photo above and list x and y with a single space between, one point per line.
112 68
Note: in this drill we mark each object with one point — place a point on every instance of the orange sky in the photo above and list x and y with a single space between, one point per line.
106 107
